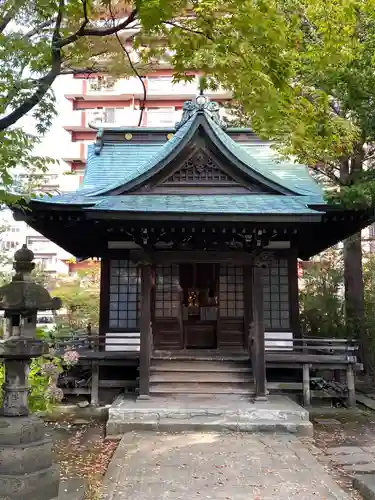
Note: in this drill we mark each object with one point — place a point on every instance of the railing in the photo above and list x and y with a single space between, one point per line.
110 343
313 353
94 350
336 350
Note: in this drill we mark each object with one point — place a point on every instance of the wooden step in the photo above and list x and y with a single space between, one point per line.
200 366
201 377
196 388
200 355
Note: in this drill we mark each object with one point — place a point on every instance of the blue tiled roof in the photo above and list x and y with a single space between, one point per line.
116 164
209 204
137 163
127 164
120 164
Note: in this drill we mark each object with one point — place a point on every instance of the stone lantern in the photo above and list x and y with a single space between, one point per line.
26 469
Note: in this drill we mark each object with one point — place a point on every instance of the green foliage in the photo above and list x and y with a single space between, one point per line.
41 398
301 73
80 298
322 301
321 297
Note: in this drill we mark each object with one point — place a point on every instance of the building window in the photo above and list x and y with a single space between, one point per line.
160 117
159 84
110 115
101 83
371 232
8 245
46 261
276 295
231 291
124 292
167 291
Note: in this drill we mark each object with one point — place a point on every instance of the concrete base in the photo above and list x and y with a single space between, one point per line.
218 414
26 470
365 484
72 489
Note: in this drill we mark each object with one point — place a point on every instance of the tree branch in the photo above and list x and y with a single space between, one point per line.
82 31
6 20
330 175
39 27
79 71
10 15
134 69
190 30
44 83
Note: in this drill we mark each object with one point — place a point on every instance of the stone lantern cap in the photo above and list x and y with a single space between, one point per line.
21 294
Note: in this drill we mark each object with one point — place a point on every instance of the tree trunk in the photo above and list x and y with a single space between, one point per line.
354 294
353 272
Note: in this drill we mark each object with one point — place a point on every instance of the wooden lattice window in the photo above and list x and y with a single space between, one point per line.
124 294
200 169
167 291
231 291
276 295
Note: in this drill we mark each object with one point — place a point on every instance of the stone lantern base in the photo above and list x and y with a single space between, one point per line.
26 469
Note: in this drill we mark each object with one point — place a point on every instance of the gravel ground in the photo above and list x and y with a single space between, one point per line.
342 429
82 452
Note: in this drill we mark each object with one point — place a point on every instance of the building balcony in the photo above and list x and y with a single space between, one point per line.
158 87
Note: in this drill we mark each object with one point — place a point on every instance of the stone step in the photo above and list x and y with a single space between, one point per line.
201 377
200 366
208 388
200 355
72 489
208 423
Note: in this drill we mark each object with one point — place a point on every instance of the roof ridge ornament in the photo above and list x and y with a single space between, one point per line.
201 104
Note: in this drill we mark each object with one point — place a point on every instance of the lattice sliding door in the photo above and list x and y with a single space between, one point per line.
167 292
231 291
276 295
124 295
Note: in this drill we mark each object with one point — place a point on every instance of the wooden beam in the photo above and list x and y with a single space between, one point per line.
247 309
351 386
104 295
306 385
94 383
145 328
258 332
293 293
197 256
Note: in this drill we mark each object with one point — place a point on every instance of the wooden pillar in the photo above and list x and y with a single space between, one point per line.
306 385
294 294
104 302
248 313
145 328
258 332
94 383
351 386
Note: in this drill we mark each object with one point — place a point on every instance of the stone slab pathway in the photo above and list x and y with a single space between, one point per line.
240 466
353 458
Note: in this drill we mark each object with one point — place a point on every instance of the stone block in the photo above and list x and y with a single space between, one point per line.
20 430
360 468
327 421
25 458
197 424
353 458
72 489
343 450
116 428
41 485
365 484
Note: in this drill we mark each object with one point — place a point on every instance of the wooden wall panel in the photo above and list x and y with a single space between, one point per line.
231 333
167 334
